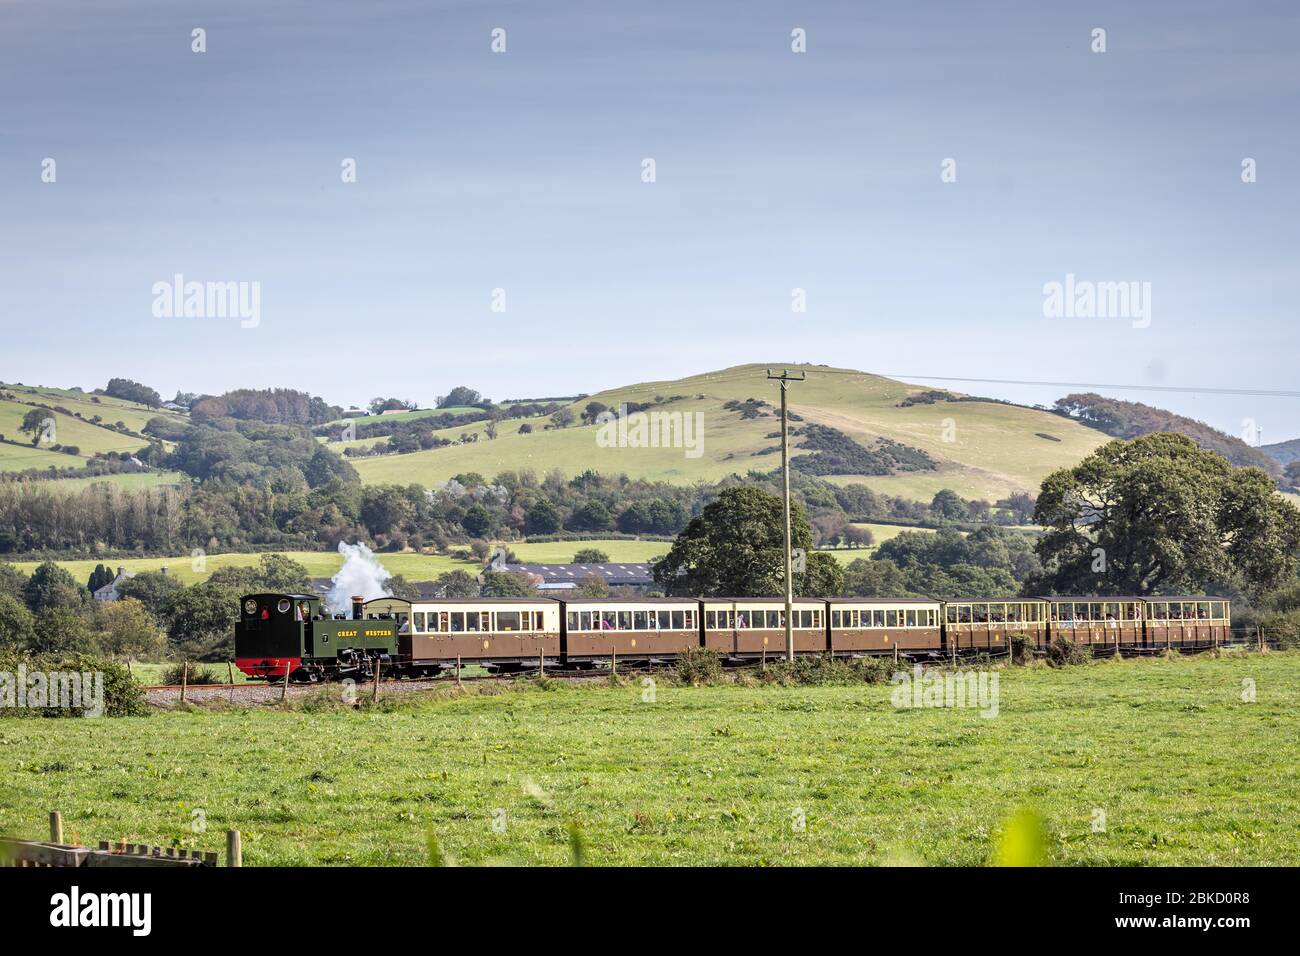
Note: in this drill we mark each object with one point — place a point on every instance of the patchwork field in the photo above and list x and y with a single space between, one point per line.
88 438
984 449
1165 754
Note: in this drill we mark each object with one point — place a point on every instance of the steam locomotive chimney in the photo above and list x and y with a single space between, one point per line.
357 601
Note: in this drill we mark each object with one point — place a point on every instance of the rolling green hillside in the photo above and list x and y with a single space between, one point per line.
69 430
994 449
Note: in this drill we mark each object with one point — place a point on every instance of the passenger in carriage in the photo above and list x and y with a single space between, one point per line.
607 622
740 621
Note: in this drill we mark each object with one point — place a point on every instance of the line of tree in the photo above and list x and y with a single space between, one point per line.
1122 419
130 391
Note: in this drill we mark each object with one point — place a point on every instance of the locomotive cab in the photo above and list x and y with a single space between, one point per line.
271 633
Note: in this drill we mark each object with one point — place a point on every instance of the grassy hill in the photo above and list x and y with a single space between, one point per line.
1283 452
994 449
73 427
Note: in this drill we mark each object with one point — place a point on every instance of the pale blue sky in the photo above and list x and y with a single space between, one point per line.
775 171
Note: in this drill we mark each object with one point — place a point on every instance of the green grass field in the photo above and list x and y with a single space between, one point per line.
324 564
882 533
562 552
1183 770
985 450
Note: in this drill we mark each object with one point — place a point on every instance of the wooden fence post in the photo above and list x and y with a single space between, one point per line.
458 684
130 673
613 650
284 688
234 849
378 668
56 826
541 663
230 667
185 679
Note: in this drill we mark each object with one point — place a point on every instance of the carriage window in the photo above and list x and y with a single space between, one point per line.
663 620
1015 613
891 618
608 621
679 620
507 621
419 622
934 617
951 613
711 620
476 620
641 620
625 620
910 620
835 617
878 618
690 618
573 620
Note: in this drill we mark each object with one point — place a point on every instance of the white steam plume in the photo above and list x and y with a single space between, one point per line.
361 574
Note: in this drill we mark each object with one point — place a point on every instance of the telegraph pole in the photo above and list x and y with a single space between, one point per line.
785 378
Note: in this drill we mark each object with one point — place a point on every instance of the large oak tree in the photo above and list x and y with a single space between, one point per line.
1157 515
736 547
